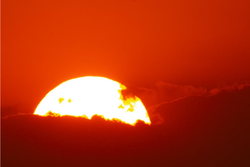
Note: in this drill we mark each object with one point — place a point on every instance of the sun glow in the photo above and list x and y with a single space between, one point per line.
89 96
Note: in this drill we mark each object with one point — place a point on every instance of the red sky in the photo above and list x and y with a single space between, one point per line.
188 61
142 42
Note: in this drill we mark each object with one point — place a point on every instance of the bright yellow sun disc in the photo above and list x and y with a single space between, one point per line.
89 96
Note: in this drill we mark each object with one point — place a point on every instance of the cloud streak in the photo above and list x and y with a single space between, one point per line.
162 94
165 93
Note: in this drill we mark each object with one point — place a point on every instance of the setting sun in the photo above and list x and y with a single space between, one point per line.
89 96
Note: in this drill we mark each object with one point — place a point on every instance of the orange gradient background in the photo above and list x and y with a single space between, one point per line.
187 60
46 42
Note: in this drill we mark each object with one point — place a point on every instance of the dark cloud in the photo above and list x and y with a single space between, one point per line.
193 93
197 131
164 92
153 98
230 88
14 115
168 92
9 110
161 94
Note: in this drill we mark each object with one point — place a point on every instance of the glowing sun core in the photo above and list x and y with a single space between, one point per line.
89 96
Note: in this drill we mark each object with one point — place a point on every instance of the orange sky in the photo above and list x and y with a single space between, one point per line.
45 42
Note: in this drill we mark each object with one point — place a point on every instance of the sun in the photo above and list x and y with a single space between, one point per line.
89 96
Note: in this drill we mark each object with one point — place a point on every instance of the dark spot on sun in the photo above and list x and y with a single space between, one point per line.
127 94
60 99
121 106
131 108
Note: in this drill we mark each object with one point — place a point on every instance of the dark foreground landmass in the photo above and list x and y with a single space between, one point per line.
197 132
